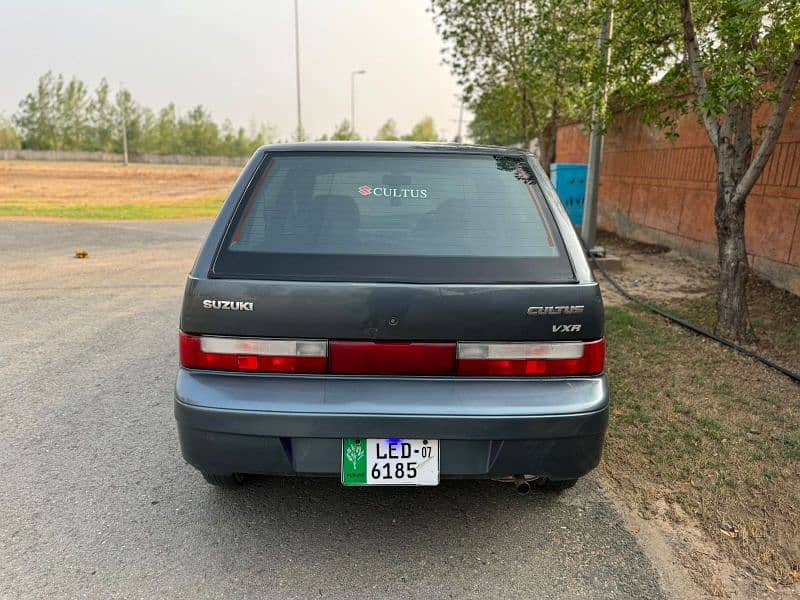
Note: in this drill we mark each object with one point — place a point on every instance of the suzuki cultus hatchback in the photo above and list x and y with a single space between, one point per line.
392 314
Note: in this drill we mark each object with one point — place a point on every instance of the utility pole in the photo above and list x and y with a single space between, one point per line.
300 135
589 224
124 126
459 139
353 102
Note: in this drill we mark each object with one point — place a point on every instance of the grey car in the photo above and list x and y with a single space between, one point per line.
392 314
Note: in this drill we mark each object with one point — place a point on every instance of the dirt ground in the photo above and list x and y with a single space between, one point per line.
109 184
703 448
655 273
687 287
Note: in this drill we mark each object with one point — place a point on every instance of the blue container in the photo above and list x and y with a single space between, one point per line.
569 179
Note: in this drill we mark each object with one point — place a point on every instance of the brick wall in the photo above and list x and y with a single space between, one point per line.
656 190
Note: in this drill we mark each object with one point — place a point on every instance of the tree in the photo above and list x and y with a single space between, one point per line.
535 53
198 134
137 122
260 134
388 131
163 137
103 119
37 117
496 117
55 116
423 131
9 140
564 61
61 115
72 115
730 56
344 132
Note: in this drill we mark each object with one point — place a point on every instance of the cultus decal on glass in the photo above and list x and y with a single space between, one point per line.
393 192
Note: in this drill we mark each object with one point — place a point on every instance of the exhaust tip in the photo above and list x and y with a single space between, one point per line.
523 487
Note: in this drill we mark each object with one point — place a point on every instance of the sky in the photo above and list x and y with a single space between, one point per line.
237 58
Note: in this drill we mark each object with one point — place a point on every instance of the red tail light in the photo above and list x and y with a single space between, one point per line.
254 355
392 358
480 359
531 359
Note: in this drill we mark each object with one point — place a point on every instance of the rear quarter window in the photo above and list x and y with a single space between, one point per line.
393 217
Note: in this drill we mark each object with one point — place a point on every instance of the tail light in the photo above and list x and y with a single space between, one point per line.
392 358
477 359
531 359
253 355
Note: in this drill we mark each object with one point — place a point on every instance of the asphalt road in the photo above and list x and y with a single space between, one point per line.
96 501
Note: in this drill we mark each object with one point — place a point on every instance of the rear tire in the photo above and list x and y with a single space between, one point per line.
550 485
228 480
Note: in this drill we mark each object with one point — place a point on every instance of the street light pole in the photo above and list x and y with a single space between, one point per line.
124 138
353 101
297 72
459 140
123 107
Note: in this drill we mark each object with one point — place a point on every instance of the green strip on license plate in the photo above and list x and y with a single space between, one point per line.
354 461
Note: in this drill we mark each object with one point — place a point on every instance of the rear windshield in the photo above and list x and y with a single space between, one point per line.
393 217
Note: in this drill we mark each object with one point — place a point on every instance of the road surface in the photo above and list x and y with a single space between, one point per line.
96 501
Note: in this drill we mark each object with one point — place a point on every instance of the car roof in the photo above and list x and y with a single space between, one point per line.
405 147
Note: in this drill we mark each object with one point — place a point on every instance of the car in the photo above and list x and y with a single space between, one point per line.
392 314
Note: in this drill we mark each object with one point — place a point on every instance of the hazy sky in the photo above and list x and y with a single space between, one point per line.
237 57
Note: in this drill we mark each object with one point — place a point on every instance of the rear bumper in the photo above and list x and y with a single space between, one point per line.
487 428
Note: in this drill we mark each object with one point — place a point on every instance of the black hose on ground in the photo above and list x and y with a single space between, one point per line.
691 327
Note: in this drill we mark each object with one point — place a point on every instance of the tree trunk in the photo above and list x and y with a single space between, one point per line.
523 115
733 318
733 158
547 146
736 175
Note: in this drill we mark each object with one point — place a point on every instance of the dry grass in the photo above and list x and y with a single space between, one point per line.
710 431
710 434
774 313
688 289
108 191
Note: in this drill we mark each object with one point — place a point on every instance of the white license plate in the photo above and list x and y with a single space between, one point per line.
392 461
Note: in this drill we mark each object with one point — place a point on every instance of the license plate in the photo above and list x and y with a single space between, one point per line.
392 461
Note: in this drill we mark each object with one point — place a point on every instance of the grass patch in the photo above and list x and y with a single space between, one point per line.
704 428
169 209
791 445
777 331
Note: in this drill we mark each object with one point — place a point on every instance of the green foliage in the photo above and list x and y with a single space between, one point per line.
721 59
103 119
37 118
63 115
344 132
9 140
524 65
745 47
423 131
198 131
388 131
496 117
